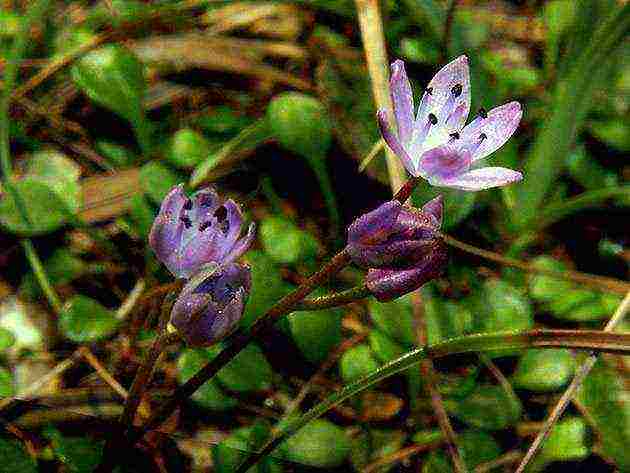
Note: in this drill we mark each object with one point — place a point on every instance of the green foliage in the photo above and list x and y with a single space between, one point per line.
474 447
566 442
6 383
14 457
544 370
285 242
316 333
394 319
85 320
78 454
157 180
229 454
62 267
7 339
248 371
319 443
357 362
487 408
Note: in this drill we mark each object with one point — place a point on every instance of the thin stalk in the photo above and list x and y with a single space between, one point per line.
335 299
576 339
318 165
570 392
599 282
41 276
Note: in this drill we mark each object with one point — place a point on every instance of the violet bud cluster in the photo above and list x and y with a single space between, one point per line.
400 246
198 238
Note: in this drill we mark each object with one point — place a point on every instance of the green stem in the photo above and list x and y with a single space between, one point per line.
584 340
318 165
41 276
335 299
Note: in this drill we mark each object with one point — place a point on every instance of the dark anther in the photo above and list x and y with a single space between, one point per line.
220 213
483 113
224 225
483 136
454 135
205 200
188 205
204 225
429 90
186 220
432 119
457 90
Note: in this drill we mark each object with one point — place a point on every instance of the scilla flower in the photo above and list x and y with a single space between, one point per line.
400 246
198 238
211 303
190 232
432 141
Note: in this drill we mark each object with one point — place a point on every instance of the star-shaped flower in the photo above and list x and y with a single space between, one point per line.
433 142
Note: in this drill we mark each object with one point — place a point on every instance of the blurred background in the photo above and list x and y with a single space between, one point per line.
110 103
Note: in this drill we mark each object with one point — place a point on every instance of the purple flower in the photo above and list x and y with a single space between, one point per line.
211 303
434 143
190 232
400 246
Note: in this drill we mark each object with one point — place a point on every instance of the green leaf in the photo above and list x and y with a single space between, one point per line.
566 442
268 286
7 386
60 173
187 148
320 444
157 180
605 398
445 319
248 371
229 454
371 445
113 77
474 447
316 333
384 347
62 267
117 155
210 395
285 242
7 339
85 320
588 172
428 13
394 318
615 133
572 98
44 207
222 120
301 124
544 370
78 454
14 458
357 362
487 408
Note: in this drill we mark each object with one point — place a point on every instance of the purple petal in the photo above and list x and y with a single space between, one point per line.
435 208
375 226
167 230
393 143
485 135
193 316
450 91
402 253
231 222
443 163
205 203
402 99
484 178
241 245
204 247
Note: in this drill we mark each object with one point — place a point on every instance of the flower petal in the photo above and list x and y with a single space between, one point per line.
375 226
485 135
168 229
450 92
393 142
443 163
484 178
402 99
241 245
435 208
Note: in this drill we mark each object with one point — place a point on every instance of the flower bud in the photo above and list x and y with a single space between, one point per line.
191 232
211 303
400 246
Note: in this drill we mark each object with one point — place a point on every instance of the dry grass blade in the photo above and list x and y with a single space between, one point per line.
107 196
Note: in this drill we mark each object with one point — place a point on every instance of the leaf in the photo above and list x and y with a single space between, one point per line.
14 458
372 444
320 444
605 399
588 172
444 319
187 148
141 215
78 454
222 120
267 286
544 370
43 206
157 180
572 98
285 242
394 318
60 173
566 442
229 454
301 124
85 320
357 362
7 387
316 333
487 408
117 155
210 395
615 133
474 447
7 339
248 371
384 347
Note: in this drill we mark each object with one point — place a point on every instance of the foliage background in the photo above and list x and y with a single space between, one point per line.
179 91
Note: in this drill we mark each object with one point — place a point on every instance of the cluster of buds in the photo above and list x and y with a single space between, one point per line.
198 238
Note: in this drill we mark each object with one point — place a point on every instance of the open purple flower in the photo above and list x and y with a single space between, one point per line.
190 232
432 141
400 246
211 303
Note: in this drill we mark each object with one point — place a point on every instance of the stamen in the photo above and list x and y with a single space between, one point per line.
186 220
204 226
482 137
188 204
483 113
428 90
433 119
220 213
457 90
454 135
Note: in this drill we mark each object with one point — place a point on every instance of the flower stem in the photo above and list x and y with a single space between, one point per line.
335 299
